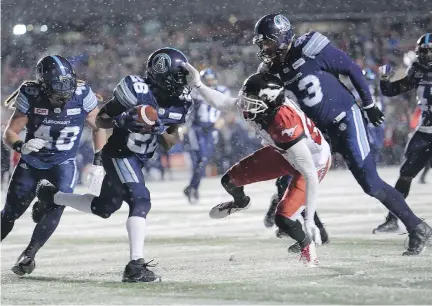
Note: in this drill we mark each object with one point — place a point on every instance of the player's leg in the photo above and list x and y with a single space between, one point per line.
20 194
286 219
195 151
137 196
282 184
417 155
352 143
262 165
425 172
64 178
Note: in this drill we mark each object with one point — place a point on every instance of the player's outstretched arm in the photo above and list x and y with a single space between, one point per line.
300 157
168 139
99 134
16 124
391 89
338 62
211 96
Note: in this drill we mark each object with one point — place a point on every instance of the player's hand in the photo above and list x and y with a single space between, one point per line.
375 115
33 145
385 72
193 77
129 120
94 178
158 129
313 231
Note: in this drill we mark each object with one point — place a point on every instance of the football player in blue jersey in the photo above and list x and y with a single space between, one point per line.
309 67
128 149
418 152
53 108
202 135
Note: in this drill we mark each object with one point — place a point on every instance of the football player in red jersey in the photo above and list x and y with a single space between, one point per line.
295 147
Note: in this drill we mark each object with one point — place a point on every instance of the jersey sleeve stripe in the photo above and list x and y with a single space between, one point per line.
124 95
315 44
22 104
90 101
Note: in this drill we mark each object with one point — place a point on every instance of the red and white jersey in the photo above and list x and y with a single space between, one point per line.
290 125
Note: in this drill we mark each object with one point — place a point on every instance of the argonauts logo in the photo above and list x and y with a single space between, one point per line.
282 23
161 63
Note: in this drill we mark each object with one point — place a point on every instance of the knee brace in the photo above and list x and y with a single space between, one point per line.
106 209
139 208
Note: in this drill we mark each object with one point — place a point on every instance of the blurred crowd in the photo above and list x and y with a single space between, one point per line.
105 51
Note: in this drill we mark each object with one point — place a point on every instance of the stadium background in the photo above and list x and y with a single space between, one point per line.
107 40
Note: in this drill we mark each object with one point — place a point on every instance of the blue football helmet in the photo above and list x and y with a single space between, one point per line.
273 34
164 71
424 50
208 77
58 79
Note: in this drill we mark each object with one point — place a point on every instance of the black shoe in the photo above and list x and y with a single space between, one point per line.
423 178
24 265
191 194
227 208
136 271
418 238
45 192
270 215
389 226
324 235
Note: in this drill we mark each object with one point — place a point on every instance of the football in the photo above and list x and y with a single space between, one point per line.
147 114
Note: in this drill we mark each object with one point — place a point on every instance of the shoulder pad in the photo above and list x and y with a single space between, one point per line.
28 90
85 92
313 43
130 89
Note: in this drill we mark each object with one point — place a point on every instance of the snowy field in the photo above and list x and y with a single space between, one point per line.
84 260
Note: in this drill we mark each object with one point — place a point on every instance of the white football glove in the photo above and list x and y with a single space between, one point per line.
33 145
94 178
193 78
313 231
385 72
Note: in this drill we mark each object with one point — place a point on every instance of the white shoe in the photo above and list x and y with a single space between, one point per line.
227 208
309 255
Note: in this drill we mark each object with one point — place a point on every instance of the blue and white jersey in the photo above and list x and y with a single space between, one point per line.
133 91
204 116
310 74
61 128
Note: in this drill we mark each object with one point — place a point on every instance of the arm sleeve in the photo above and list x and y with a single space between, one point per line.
217 99
338 62
112 108
90 101
300 157
391 89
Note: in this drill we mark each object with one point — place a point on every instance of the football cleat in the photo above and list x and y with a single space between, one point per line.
270 215
418 238
137 271
45 192
295 247
191 194
24 265
227 208
309 255
390 225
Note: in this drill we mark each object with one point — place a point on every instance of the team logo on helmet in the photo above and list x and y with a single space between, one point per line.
161 63
282 23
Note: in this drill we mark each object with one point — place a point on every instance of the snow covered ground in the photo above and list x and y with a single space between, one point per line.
84 260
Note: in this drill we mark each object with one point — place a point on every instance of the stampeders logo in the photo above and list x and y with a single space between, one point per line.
161 63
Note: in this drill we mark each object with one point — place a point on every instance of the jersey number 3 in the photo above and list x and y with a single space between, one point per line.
312 86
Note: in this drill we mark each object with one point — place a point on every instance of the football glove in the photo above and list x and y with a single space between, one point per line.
375 115
313 231
193 77
385 72
33 145
129 120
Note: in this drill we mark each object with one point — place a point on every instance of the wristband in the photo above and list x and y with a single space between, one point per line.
97 159
17 145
